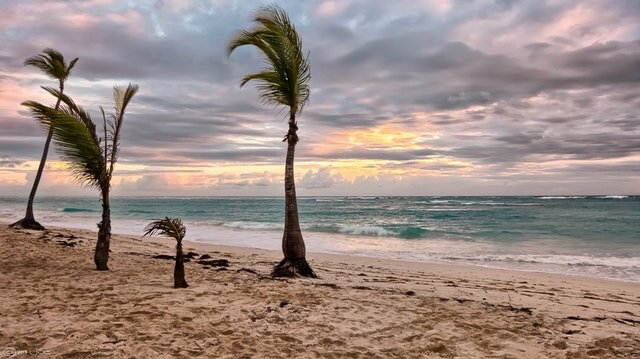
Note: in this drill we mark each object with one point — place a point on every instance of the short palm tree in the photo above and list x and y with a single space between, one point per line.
284 82
52 63
92 159
171 227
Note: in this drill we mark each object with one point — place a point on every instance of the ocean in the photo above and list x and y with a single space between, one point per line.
596 236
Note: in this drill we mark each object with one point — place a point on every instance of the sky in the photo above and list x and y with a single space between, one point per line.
458 97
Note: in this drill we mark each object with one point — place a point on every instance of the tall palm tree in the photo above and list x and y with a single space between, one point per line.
52 63
284 82
92 159
171 227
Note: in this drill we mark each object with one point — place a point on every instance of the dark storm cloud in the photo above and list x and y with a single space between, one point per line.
626 122
518 147
186 158
257 154
604 168
23 147
519 139
443 119
130 48
8 162
563 119
347 120
206 106
20 126
453 75
170 129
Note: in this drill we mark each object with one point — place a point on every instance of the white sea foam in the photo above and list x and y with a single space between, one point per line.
366 231
572 260
613 197
562 197
440 209
437 201
252 225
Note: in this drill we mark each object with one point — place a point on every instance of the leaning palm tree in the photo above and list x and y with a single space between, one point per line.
171 227
92 159
284 82
52 63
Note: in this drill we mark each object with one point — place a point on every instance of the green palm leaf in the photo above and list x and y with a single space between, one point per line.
70 107
285 80
168 227
76 142
75 135
52 63
122 96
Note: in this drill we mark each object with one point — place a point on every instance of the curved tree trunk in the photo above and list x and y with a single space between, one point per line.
101 255
29 221
293 247
178 271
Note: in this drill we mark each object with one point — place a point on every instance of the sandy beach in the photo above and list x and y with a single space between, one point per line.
55 304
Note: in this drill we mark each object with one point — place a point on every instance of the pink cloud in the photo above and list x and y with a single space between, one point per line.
80 21
130 19
329 8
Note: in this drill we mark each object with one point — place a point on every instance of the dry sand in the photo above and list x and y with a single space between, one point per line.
53 303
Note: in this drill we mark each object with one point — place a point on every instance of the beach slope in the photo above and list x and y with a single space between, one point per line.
54 302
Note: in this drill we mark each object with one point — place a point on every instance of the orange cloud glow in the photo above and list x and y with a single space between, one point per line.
378 137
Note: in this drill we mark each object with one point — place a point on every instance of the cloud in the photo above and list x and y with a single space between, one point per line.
322 178
8 162
487 88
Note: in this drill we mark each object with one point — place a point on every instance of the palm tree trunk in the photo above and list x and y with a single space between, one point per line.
293 247
29 221
178 271
101 255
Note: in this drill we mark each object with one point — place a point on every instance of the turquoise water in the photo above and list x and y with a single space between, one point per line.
585 235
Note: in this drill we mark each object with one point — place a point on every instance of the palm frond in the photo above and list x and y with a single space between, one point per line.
285 80
71 65
168 227
52 63
74 133
71 108
106 135
270 86
253 37
75 142
122 96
